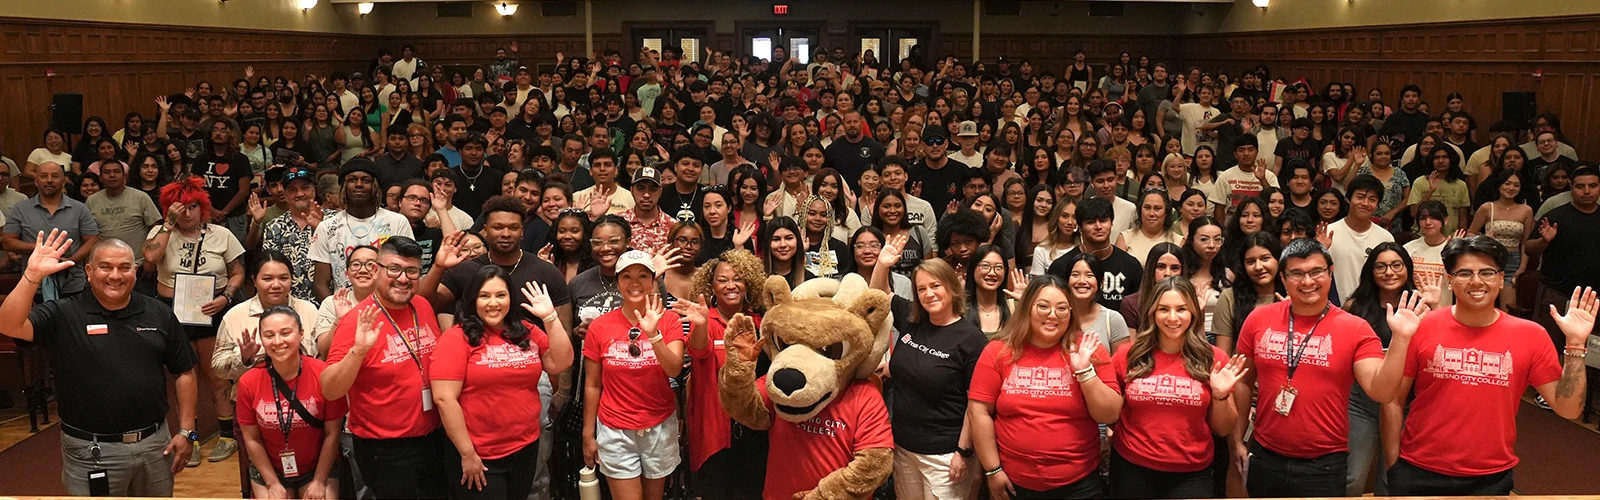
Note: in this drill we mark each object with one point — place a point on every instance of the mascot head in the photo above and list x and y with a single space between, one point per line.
820 336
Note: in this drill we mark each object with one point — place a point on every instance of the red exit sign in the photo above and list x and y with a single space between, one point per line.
781 9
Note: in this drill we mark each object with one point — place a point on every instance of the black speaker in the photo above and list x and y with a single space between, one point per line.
66 113
1518 107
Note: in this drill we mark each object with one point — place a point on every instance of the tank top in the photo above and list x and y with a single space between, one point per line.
352 147
1507 232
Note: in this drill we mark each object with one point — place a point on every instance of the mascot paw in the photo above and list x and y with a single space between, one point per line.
740 339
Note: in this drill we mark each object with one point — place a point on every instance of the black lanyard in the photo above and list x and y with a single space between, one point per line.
194 259
414 326
282 391
1291 354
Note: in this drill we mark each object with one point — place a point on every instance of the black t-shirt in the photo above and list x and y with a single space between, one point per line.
471 192
850 159
392 172
842 255
941 185
930 370
529 269
429 238
535 234
684 207
225 176
1120 279
192 144
1309 151
1404 129
108 364
1570 260
1227 135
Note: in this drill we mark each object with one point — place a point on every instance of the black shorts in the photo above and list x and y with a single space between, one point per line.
195 333
291 484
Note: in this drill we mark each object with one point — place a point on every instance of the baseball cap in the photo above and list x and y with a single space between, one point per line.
968 128
635 257
647 173
291 174
1004 60
879 84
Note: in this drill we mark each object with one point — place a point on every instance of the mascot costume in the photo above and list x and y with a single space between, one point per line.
827 423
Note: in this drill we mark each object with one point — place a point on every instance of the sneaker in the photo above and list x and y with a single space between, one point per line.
1539 400
223 449
194 455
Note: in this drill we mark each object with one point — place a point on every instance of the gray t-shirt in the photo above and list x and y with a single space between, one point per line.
128 217
1174 124
1110 326
593 294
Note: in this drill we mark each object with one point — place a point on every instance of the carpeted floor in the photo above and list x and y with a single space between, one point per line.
1553 451
33 466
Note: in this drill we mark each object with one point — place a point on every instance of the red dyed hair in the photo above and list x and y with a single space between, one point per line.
189 190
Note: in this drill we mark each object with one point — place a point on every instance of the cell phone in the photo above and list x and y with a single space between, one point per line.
99 483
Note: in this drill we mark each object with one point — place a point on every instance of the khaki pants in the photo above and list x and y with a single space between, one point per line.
134 469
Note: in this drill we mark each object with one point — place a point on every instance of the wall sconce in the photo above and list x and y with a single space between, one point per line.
1260 3
506 9
307 4
364 8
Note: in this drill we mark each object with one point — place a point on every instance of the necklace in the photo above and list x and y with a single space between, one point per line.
472 180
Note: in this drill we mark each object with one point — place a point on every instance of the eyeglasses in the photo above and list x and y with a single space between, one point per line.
872 245
1465 275
612 243
686 242
573 210
1396 267
396 271
415 198
1316 274
990 268
1207 240
362 265
633 342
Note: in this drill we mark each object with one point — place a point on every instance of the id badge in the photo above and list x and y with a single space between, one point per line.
291 467
1285 400
427 399
99 483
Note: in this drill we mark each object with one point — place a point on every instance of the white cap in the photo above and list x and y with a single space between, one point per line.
967 128
636 257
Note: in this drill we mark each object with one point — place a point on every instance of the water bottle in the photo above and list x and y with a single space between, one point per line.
588 484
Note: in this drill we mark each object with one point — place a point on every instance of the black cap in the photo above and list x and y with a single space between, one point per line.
357 164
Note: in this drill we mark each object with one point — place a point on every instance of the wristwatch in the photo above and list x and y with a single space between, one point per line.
964 452
190 434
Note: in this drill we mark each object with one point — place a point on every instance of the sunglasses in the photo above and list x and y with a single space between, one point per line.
934 141
633 342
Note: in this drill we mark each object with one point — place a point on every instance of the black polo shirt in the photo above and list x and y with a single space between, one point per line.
108 363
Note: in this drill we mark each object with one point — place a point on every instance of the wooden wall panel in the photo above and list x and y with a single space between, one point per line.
122 67
1478 59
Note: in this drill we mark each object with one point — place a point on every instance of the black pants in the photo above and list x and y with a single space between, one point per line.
1275 476
1088 487
508 478
735 472
418 467
1409 480
1130 480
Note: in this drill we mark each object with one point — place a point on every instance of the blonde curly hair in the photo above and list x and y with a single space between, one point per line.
746 265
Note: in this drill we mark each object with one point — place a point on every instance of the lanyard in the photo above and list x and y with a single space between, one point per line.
414 325
1291 354
194 259
285 420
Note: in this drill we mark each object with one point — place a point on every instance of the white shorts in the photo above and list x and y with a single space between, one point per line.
927 477
625 454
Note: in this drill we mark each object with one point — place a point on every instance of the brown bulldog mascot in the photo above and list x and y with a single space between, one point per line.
826 422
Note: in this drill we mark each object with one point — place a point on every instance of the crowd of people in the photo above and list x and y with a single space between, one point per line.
1107 281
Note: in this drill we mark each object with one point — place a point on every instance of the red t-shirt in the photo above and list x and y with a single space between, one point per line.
804 453
1042 425
1166 415
500 387
634 394
1319 421
710 427
259 405
386 397
1469 383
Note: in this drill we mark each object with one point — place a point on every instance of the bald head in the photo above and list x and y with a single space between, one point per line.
110 249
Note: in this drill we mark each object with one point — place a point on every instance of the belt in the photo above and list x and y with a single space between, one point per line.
125 437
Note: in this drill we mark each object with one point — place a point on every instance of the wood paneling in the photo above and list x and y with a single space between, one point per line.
1053 52
122 67
1478 59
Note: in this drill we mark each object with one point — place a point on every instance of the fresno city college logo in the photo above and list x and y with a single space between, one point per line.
1471 366
1167 390
1274 346
1037 381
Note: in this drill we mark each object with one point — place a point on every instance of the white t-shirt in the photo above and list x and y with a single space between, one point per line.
1332 161
1239 184
340 233
1427 264
1350 254
1124 215
41 156
207 253
973 161
1195 115
1267 140
405 69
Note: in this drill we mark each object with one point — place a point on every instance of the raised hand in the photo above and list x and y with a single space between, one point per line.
952 207
342 302
249 71
439 201
314 216
1083 353
367 330
915 189
1223 377
1430 288
538 300
671 259
693 312
257 207
597 204
1019 283
743 234
547 253
1404 317
1579 319
46 258
161 102
651 315
773 201
893 248
740 338
1547 230
450 253
1324 235
249 347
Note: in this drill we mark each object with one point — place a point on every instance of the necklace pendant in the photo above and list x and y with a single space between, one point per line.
472 187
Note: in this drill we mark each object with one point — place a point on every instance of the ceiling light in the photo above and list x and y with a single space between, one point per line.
506 9
307 4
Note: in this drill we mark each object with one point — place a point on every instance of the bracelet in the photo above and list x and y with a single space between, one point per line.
30 280
1224 398
997 470
552 318
1579 352
656 338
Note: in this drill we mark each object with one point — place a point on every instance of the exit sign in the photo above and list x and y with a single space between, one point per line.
781 9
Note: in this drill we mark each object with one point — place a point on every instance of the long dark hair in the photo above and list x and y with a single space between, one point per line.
584 255
1244 290
515 332
1024 238
1191 256
840 210
972 281
1365 302
797 263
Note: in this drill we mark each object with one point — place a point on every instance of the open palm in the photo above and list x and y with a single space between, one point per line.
1082 356
1579 319
46 258
1403 318
538 300
1224 377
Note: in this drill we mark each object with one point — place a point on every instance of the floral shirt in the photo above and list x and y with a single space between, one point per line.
652 236
282 234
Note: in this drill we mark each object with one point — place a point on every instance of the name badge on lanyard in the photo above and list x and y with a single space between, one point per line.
1286 395
291 467
1285 400
427 392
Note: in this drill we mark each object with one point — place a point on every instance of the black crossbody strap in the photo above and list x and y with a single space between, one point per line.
294 400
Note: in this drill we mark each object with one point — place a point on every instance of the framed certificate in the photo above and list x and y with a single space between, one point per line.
189 292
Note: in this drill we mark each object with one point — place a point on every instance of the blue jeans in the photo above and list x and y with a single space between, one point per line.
1365 445
1277 476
